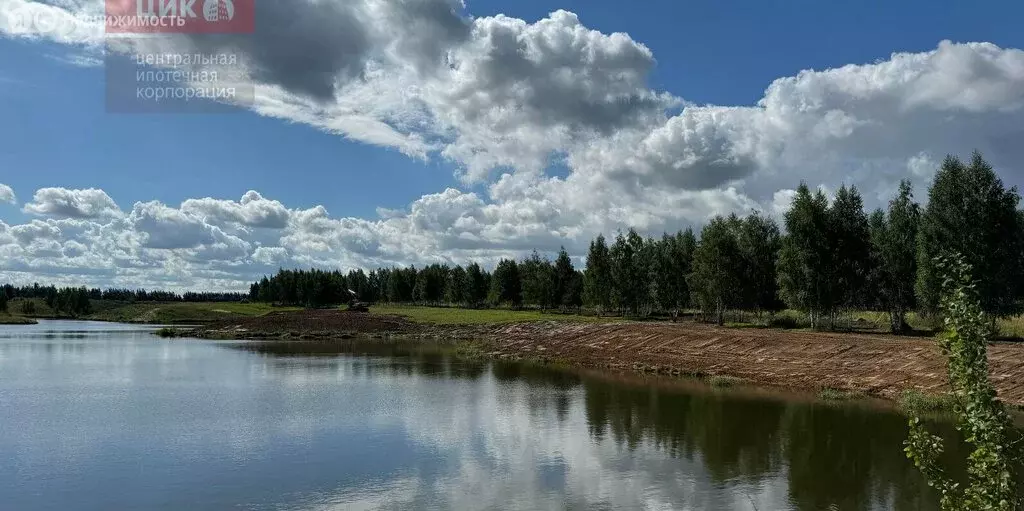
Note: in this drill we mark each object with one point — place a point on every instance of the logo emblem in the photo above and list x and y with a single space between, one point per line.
218 10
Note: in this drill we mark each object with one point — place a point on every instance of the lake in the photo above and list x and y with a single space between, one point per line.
101 416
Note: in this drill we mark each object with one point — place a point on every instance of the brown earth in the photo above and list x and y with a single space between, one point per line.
326 323
875 364
879 365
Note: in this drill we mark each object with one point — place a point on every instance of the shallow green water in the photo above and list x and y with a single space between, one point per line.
101 416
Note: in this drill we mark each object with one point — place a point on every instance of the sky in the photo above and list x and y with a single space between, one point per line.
373 133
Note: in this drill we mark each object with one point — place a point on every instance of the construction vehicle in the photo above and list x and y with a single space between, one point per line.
355 305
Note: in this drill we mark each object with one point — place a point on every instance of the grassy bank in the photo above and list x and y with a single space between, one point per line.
8 319
455 316
182 312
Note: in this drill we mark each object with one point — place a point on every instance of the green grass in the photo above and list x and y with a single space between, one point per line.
182 312
7 319
1012 327
720 381
454 316
831 394
917 401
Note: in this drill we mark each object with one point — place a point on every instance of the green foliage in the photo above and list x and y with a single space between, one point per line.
804 271
915 401
538 281
3 301
894 256
734 265
477 284
167 332
312 288
849 249
717 268
630 283
758 241
566 288
506 285
28 307
430 283
824 260
456 290
970 213
981 417
674 263
721 381
597 278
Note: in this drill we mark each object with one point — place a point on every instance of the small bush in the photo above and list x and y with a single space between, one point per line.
723 381
916 401
783 321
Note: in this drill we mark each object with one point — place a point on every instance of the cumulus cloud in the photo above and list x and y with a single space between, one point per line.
7 194
66 203
251 211
503 98
498 94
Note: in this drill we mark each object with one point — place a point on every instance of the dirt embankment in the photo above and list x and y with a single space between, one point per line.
307 324
875 364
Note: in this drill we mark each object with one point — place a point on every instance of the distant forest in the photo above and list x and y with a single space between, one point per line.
832 257
76 300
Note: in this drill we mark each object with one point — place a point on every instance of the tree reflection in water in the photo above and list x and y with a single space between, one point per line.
838 456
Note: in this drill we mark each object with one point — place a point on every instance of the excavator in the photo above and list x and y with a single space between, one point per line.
355 305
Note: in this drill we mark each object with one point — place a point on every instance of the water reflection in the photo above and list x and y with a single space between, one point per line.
124 420
829 455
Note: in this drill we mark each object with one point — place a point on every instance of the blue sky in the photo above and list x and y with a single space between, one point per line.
56 133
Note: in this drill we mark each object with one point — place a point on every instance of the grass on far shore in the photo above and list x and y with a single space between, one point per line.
183 312
456 316
8 319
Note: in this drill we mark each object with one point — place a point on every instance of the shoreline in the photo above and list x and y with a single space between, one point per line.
881 366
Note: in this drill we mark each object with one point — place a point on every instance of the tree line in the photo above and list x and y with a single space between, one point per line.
77 301
831 256
122 295
534 281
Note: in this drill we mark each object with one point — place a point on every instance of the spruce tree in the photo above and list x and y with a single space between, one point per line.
971 213
597 278
565 275
623 277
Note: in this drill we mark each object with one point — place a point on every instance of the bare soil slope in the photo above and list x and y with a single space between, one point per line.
307 323
879 365
876 364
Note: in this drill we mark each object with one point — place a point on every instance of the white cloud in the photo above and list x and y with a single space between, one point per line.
251 211
66 203
7 194
502 98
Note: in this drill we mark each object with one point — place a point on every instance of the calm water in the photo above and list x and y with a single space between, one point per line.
105 417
